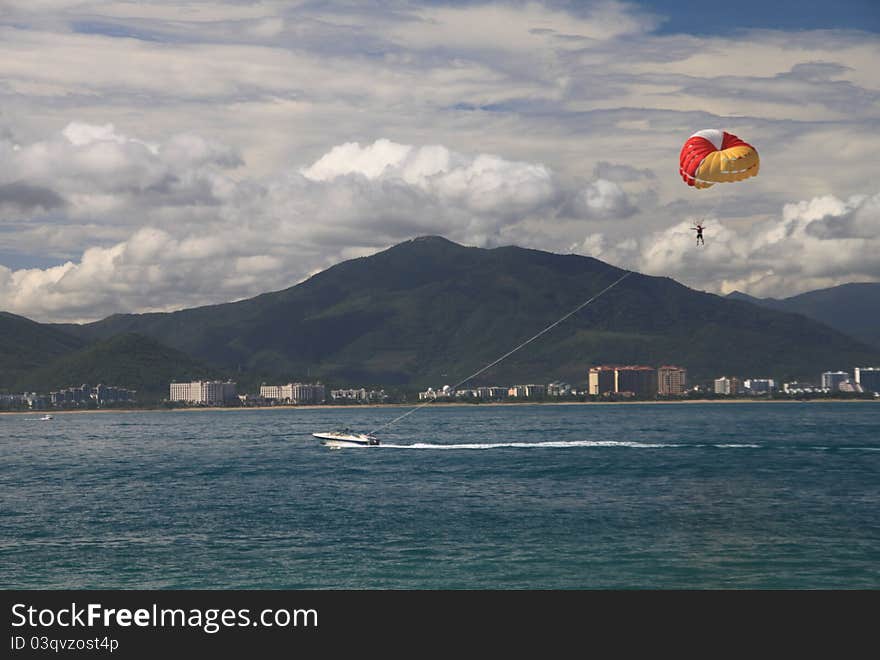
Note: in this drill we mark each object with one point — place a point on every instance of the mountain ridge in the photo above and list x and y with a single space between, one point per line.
428 309
124 360
852 308
27 345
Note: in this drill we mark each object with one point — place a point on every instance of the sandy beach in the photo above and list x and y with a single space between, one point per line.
450 404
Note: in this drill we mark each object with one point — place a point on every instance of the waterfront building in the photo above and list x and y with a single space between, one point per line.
526 391
208 392
12 401
361 395
295 393
727 385
637 379
533 391
759 385
868 378
103 394
796 387
307 393
831 380
270 392
601 380
77 397
349 395
70 396
35 400
179 392
485 393
557 388
671 380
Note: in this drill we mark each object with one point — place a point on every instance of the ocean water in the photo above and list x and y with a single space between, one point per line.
734 496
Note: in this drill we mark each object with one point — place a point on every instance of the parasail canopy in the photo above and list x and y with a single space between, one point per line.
714 156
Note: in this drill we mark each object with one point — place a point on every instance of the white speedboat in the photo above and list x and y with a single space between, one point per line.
346 438
46 417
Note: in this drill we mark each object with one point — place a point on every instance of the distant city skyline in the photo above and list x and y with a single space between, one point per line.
162 155
640 381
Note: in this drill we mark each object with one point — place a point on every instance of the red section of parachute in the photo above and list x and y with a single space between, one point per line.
697 148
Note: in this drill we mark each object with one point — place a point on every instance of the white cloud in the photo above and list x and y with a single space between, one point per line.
810 244
483 183
199 236
99 173
527 27
604 198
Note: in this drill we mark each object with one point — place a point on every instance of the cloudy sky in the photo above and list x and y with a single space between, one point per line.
156 155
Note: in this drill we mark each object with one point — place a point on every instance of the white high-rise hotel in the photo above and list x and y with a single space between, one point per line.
203 391
727 385
294 392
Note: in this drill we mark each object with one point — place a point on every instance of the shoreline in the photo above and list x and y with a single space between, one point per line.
414 405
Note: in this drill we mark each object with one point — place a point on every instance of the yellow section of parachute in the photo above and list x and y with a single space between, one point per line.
727 166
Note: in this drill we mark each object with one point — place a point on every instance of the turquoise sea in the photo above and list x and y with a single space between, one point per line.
734 496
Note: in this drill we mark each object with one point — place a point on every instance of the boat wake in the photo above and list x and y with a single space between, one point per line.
565 444
550 444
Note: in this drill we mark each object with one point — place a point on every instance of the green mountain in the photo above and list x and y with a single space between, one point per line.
26 345
430 312
126 360
854 309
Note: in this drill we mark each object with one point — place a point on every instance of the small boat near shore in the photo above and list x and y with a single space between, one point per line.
45 418
346 438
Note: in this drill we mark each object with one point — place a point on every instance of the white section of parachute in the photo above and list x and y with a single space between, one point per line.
714 136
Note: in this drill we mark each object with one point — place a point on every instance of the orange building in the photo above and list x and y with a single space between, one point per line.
671 380
601 379
638 379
